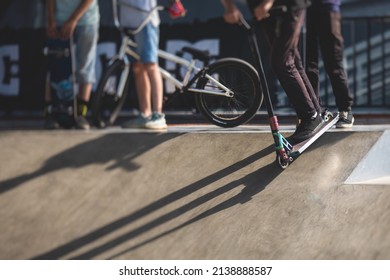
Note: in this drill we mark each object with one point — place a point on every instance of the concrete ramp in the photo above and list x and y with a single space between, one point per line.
119 195
375 167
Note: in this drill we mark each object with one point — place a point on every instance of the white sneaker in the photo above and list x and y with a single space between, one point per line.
157 121
138 122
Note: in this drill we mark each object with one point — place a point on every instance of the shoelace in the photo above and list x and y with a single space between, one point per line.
343 115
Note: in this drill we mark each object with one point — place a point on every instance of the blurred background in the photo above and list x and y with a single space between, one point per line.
23 67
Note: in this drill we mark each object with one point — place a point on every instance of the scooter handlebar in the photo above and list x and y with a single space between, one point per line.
277 10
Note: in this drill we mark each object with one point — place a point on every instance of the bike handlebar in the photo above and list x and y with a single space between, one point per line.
147 19
143 23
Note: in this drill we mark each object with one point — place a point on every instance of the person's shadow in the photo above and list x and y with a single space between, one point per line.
254 183
100 150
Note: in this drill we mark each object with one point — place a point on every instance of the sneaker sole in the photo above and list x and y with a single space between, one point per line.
344 125
133 126
157 127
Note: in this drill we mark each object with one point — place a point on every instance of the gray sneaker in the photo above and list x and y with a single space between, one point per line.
346 119
51 123
157 121
138 122
81 122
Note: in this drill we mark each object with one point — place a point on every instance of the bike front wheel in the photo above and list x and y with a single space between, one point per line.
111 94
245 99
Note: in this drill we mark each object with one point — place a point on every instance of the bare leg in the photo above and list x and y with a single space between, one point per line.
156 86
143 88
85 91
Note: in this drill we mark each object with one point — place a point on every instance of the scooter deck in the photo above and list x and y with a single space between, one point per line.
298 149
62 81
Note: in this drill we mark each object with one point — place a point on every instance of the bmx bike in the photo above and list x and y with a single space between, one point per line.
227 91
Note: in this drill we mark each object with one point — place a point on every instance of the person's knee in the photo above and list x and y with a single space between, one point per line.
151 67
283 61
281 66
138 68
85 78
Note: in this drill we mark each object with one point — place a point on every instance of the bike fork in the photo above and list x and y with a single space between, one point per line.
122 80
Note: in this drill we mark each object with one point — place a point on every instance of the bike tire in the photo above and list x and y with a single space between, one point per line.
106 105
240 77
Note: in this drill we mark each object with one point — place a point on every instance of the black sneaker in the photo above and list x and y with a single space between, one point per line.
51 123
346 119
306 129
82 123
325 114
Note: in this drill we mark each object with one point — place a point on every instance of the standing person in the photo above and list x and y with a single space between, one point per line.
283 33
78 19
324 33
147 76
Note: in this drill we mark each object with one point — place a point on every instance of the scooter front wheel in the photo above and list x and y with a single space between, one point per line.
283 163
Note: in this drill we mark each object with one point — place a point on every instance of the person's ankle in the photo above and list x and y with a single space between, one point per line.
82 107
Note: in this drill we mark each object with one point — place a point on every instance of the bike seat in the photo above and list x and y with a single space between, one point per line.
203 56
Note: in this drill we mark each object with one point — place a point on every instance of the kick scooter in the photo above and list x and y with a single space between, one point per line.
286 153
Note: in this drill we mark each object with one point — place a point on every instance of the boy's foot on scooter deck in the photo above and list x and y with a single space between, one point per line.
299 147
306 129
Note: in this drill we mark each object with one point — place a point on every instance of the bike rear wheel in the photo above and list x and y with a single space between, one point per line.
242 79
108 101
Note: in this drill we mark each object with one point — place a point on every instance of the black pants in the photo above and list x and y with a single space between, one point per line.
324 33
283 33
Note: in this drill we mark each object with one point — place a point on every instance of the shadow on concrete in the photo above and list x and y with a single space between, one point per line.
253 183
100 150
265 175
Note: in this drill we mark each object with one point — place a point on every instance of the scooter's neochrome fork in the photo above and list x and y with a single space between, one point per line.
282 146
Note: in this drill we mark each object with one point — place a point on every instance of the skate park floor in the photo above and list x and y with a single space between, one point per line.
193 192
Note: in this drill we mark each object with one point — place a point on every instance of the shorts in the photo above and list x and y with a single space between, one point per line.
85 40
147 40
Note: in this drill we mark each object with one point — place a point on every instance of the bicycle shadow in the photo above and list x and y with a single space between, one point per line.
97 151
171 198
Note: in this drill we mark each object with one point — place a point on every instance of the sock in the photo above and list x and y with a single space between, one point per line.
82 107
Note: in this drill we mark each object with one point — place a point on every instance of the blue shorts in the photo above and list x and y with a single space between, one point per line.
85 39
147 40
